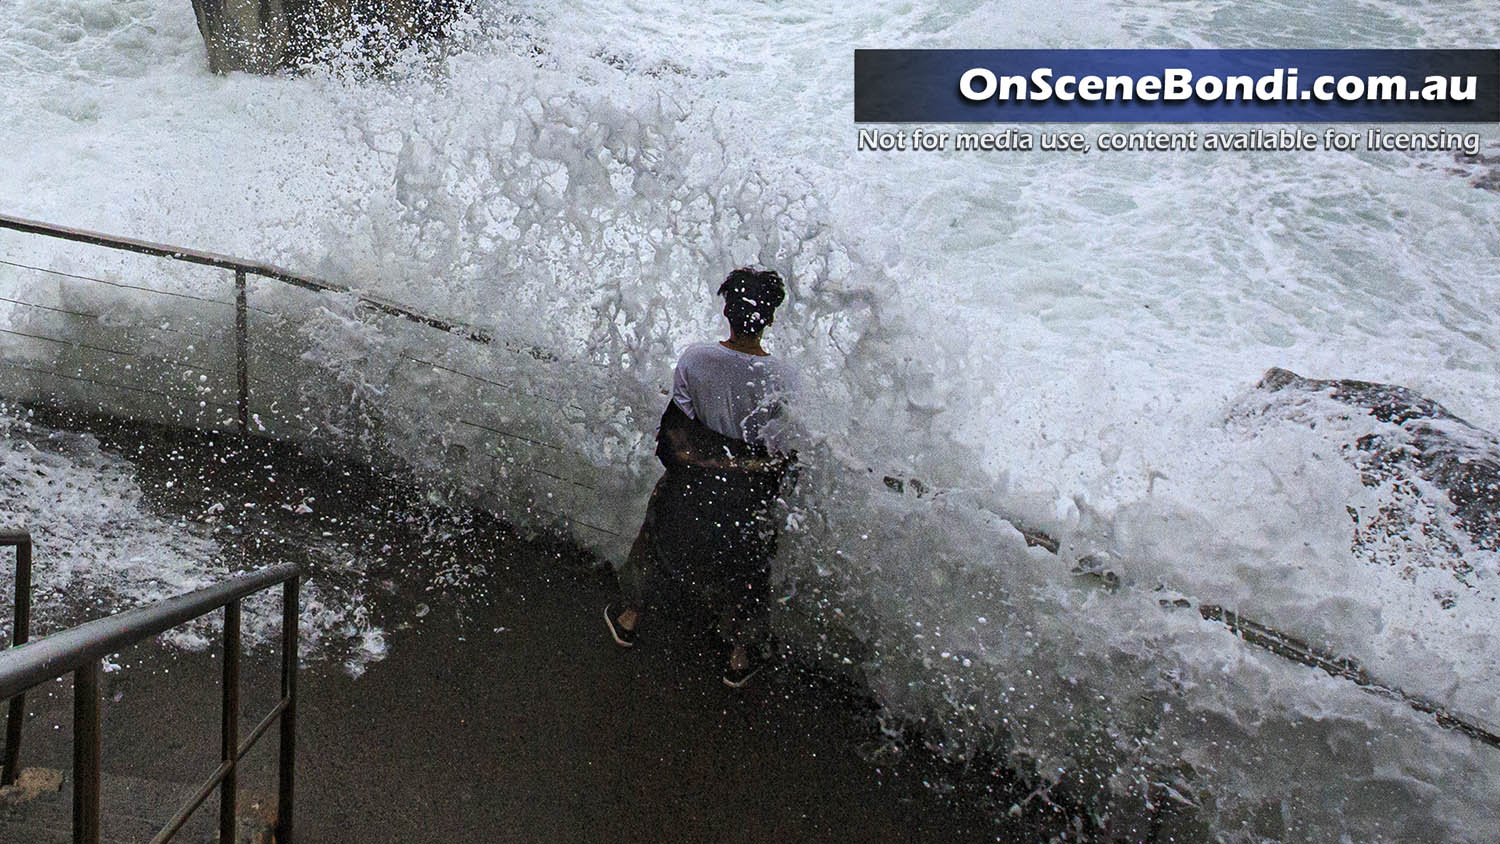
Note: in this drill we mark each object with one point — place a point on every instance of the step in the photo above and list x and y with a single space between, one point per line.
132 810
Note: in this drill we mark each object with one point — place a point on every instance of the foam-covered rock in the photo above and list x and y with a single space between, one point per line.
1421 440
266 36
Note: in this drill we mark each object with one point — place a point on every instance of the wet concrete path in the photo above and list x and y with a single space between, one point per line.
526 724
516 718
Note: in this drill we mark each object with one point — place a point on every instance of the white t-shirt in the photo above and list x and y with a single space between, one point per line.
735 394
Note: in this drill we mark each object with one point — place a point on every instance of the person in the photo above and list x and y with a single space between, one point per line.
723 443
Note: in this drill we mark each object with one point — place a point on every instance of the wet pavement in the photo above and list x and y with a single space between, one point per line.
501 711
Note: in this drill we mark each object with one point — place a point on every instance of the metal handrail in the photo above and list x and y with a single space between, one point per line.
1345 668
82 649
20 633
242 269
240 266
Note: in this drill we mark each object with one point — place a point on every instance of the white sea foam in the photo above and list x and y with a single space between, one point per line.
99 548
1065 342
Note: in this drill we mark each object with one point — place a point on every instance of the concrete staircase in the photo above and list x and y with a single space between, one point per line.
39 810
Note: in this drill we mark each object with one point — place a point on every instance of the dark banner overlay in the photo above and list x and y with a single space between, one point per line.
1177 86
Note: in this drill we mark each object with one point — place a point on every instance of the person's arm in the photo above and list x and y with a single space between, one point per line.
682 395
677 443
688 442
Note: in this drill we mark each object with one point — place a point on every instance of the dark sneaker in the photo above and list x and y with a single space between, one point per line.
624 638
736 678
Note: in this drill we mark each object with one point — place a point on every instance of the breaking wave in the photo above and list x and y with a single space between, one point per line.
992 343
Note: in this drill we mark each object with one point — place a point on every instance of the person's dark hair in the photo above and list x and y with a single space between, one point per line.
751 298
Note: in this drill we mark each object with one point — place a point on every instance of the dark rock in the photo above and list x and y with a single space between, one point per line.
249 35
1423 441
1482 170
268 36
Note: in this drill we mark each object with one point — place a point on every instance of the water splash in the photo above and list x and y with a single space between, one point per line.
1063 343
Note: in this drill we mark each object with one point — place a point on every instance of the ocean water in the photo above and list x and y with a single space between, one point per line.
1064 342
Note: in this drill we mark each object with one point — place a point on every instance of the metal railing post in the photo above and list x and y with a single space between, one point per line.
86 753
81 651
290 616
19 634
242 350
229 743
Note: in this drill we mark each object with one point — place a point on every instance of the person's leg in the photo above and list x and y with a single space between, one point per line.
634 576
637 578
744 620
745 630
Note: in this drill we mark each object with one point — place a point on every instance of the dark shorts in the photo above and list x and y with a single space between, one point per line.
713 536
